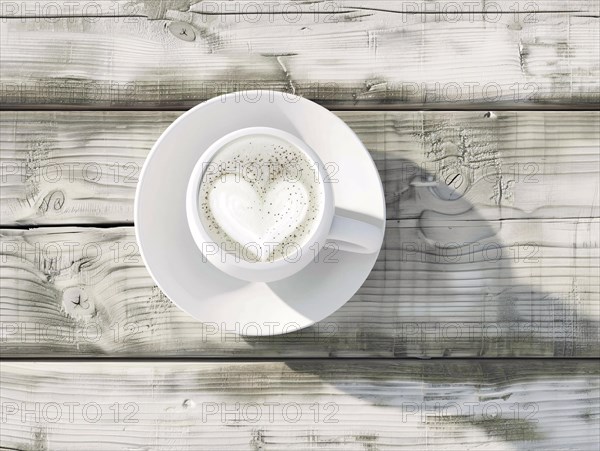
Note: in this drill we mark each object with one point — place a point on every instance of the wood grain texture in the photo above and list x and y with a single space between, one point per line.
345 405
83 167
491 246
177 53
525 288
161 9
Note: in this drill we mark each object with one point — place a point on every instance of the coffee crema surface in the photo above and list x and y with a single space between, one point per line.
261 198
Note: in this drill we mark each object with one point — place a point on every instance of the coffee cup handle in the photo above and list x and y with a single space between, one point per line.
355 236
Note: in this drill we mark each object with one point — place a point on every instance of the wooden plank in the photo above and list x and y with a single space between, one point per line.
514 288
345 405
476 54
155 10
83 167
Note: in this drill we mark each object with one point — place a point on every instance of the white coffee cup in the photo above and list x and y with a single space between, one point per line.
341 232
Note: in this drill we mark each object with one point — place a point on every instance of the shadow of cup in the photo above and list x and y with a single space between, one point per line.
445 284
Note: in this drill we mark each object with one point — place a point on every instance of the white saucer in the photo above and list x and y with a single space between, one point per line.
206 293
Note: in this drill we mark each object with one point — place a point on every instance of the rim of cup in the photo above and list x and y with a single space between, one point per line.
323 223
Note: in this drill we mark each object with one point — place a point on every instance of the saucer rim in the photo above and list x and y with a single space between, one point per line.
305 321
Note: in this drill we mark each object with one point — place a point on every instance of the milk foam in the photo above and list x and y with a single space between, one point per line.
260 198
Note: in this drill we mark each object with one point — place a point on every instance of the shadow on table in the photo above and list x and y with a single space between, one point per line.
450 281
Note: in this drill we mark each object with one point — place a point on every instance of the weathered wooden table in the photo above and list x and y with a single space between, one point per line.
490 269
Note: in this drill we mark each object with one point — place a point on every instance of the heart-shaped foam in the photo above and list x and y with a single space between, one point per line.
268 215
